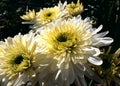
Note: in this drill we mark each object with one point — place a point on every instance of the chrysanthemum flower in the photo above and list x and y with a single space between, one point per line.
72 43
109 71
19 60
29 16
74 9
47 15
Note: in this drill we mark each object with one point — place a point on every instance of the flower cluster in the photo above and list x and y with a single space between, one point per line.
50 14
58 52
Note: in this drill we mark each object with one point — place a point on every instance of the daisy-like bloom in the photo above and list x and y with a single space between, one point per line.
109 71
19 60
75 9
47 15
71 44
29 16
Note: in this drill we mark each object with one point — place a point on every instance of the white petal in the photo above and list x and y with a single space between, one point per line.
81 66
61 62
103 41
64 70
98 29
95 60
92 51
87 19
10 83
64 74
59 81
4 81
22 79
71 76
97 52
100 35
9 40
57 75
79 69
106 40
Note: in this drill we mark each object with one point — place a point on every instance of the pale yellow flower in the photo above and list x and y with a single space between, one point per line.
72 43
75 9
47 15
19 60
29 16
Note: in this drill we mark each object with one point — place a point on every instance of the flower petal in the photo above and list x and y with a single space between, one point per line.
92 51
95 60
103 41
98 29
101 34
71 76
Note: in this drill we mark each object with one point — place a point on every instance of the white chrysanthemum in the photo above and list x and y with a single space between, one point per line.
47 15
19 60
72 43
29 16
74 9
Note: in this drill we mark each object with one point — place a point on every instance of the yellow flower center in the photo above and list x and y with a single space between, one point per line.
62 38
47 15
66 38
18 59
18 62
